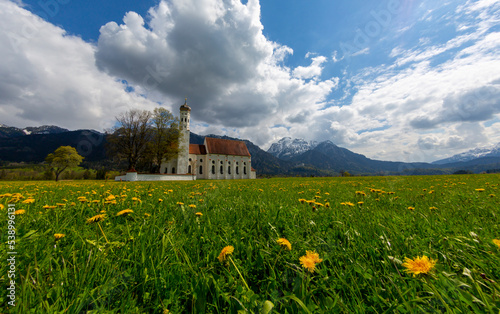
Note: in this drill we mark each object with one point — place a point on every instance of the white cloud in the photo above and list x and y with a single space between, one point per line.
48 77
214 53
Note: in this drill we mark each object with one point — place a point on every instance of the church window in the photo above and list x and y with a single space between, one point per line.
229 170
189 169
173 170
237 172
244 170
201 160
201 170
221 169
213 169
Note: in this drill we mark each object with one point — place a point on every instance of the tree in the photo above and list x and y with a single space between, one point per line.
64 157
129 138
165 137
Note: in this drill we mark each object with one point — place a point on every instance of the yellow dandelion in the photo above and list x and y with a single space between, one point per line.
360 203
480 190
497 242
419 265
180 203
198 214
19 212
147 215
284 243
2 206
314 256
160 200
192 205
308 263
58 236
411 208
49 207
227 250
96 218
124 212
28 201
433 208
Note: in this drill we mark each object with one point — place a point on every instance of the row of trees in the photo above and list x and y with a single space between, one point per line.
144 138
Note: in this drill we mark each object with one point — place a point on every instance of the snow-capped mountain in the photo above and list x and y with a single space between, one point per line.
287 147
10 131
488 151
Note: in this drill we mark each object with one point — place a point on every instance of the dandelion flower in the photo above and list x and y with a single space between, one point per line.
284 243
314 256
58 236
480 190
198 214
28 201
19 212
124 212
308 263
2 206
419 265
192 205
497 242
96 218
227 250
180 203
147 215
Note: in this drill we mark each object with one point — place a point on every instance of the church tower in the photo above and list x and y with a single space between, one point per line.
183 157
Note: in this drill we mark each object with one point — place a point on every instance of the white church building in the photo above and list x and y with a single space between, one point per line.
215 159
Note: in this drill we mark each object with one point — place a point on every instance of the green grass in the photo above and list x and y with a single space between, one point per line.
168 260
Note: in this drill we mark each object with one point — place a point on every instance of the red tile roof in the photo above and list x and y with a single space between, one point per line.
225 147
197 149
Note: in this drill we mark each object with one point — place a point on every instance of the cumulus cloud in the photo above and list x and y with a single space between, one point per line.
49 77
214 53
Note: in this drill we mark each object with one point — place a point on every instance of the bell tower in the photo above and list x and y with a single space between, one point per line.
183 157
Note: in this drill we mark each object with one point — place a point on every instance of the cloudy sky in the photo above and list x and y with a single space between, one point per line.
404 80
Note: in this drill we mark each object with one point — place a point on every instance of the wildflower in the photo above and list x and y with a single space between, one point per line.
110 198
2 206
307 263
411 208
284 243
147 215
314 256
227 250
302 200
480 190
29 200
180 203
198 214
58 236
19 212
360 203
419 265
49 207
160 200
96 218
192 205
135 199
433 208
124 212
497 242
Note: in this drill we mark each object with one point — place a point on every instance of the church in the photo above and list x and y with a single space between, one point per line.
215 159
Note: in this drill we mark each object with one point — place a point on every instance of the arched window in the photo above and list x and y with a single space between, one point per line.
201 170
213 169
201 160
237 171
173 170
189 169
244 170
229 170
221 169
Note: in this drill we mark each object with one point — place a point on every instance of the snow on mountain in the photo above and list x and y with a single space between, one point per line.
287 147
488 151
10 131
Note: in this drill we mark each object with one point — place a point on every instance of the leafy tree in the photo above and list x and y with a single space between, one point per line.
165 137
64 157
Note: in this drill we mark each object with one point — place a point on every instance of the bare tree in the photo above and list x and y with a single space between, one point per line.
130 137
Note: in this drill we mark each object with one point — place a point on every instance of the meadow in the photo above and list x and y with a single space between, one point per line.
290 245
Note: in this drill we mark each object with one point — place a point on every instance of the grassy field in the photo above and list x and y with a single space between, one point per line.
158 247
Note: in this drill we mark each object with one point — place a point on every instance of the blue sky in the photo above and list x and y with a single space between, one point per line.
394 79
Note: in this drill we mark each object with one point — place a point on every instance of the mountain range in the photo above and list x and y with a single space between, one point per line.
287 157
